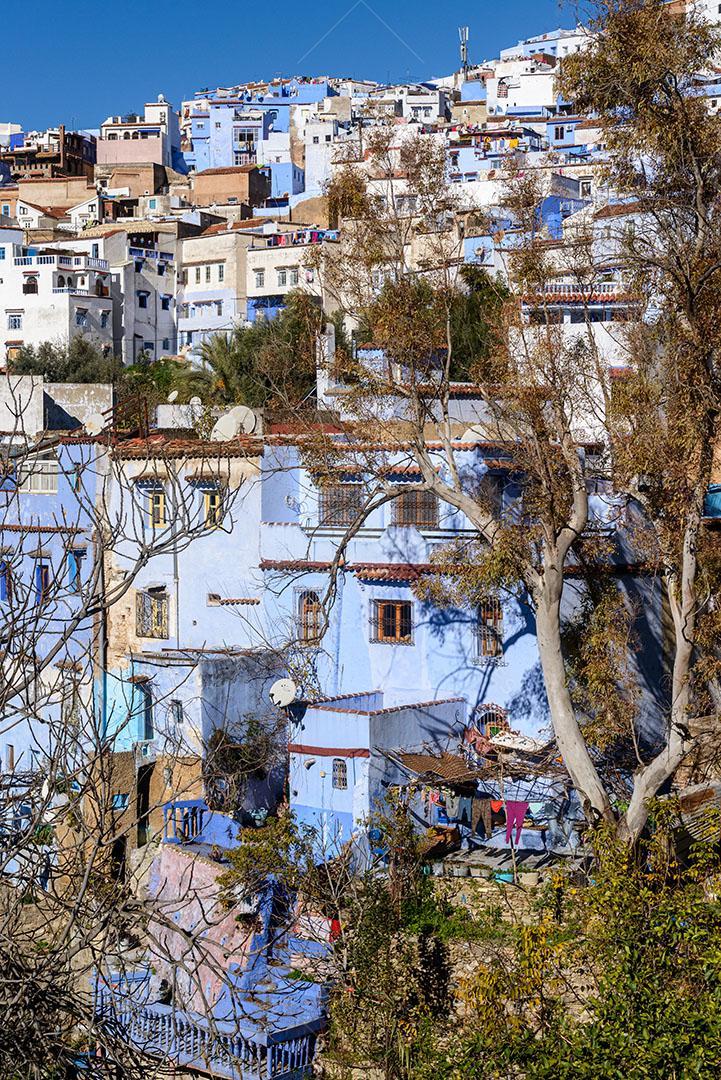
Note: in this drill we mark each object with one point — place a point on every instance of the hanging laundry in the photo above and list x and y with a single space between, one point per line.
481 813
515 816
496 805
453 803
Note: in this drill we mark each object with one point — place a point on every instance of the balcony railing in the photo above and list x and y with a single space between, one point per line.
150 253
223 1049
72 289
67 262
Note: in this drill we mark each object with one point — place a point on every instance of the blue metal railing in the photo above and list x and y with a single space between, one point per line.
222 1048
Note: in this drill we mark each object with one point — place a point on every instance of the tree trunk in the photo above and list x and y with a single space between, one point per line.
570 740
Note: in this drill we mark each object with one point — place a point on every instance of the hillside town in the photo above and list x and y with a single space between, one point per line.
359 534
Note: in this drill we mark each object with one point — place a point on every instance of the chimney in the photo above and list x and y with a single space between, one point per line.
61 129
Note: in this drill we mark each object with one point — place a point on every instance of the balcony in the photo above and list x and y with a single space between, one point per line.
72 289
150 253
193 1042
67 262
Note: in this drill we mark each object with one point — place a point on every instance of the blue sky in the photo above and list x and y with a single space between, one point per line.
80 61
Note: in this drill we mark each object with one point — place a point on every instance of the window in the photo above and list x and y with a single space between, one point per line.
212 511
6 583
38 476
221 272
489 628
95 251
294 275
491 720
152 203
340 774
218 307
156 509
207 275
340 504
9 757
147 727
392 621
316 139
138 266
104 317
143 299
559 133
197 275
42 583
75 566
15 321
120 802
585 188
81 316
419 508
30 285
165 303
160 268
166 344
282 276
175 712
2 253
310 617
259 279
151 613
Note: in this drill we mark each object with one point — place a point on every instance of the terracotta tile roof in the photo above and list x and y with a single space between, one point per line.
379 572
557 296
225 226
49 211
159 446
620 209
232 601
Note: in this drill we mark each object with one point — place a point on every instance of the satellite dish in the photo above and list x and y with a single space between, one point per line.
239 421
95 423
473 434
195 402
282 693
172 396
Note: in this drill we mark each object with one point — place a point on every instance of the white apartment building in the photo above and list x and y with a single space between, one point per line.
142 265
521 83
278 264
153 138
53 295
212 296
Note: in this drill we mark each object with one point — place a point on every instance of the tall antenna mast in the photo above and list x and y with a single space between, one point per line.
463 35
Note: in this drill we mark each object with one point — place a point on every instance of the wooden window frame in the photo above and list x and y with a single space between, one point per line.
309 617
212 508
489 629
338 506
152 613
158 494
402 611
418 508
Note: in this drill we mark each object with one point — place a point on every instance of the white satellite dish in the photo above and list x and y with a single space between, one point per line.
282 693
195 402
238 421
172 396
474 434
95 423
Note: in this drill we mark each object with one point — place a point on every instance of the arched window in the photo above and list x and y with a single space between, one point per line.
30 285
491 720
310 617
61 281
126 134
136 135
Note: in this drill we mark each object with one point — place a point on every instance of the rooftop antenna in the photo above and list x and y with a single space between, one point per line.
463 36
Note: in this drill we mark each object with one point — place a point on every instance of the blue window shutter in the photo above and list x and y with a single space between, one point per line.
3 582
42 580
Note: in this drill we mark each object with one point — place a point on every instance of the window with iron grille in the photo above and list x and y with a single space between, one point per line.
151 613
491 720
340 504
392 622
340 774
489 629
310 617
419 508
